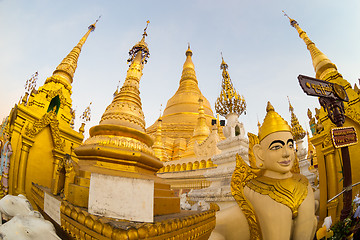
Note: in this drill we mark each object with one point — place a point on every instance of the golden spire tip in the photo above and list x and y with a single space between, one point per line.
269 107
290 107
92 26
223 64
160 110
292 21
147 24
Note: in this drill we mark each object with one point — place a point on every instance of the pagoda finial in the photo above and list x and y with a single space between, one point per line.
291 109
67 67
323 67
160 110
188 51
140 47
229 100
296 129
147 24
223 64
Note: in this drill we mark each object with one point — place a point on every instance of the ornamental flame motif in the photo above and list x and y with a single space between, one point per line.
229 100
296 129
31 83
86 114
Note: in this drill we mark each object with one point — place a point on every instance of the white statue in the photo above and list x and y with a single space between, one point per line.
200 206
22 221
11 206
184 204
28 227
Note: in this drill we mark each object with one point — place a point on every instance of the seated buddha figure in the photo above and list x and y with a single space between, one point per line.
274 201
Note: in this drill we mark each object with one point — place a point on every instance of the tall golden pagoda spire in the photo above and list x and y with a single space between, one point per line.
126 109
67 67
122 124
229 100
323 67
296 129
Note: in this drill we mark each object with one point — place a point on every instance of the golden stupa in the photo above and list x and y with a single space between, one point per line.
328 157
181 113
186 134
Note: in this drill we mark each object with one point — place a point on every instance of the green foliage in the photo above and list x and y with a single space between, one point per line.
342 229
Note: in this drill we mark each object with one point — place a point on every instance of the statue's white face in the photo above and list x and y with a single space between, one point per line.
277 152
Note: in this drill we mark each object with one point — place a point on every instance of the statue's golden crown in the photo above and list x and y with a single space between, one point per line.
273 122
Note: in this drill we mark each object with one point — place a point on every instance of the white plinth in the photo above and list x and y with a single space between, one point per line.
122 198
52 207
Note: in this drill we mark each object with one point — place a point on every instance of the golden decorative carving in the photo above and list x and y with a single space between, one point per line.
296 166
290 191
229 100
58 80
253 140
318 127
51 94
124 117
351 113
243 174
296 129
327 140
187 166
48 119
123 142
82 225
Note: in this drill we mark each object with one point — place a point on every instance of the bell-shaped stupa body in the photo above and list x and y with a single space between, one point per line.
181 113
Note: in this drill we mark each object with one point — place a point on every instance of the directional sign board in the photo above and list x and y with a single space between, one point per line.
344 136
319 88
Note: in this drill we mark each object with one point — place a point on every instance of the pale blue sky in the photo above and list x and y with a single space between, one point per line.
264 53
